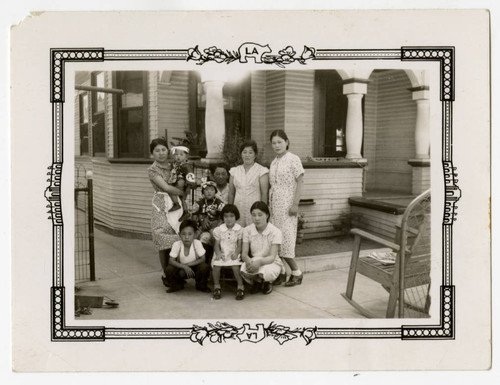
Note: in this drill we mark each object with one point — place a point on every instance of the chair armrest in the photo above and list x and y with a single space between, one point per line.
374 238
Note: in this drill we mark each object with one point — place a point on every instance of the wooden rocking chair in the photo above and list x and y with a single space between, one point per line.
409 276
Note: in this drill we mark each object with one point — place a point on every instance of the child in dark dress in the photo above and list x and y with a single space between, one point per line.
182 177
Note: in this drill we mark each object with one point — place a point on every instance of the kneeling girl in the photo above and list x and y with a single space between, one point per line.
261 242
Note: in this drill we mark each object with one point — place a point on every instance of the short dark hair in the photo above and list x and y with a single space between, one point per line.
156 142
230 209
262 206
188 223
215 166
249 143
282 134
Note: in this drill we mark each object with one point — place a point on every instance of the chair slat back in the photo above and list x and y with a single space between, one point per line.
415 242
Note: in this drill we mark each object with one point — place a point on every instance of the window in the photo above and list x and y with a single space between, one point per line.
98 126
131 115
236 99
330 114
84 123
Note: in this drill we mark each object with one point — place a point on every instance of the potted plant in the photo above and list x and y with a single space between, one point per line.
300 227
345 222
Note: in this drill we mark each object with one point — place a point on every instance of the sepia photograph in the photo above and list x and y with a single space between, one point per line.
251 191
339 160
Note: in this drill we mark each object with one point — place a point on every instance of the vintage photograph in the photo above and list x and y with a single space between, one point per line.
256 194
251 191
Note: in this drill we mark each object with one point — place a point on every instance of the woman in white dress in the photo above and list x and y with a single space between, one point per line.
248 183
286 179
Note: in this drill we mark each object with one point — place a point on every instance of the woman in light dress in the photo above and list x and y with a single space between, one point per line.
286 179
248 182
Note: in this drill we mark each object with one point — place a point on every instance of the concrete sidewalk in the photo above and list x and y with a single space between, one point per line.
128 271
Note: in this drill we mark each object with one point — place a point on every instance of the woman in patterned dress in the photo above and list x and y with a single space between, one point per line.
162 231
286 180
248 183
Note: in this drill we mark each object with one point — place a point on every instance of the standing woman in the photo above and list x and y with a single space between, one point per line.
162 231
286 178
248 182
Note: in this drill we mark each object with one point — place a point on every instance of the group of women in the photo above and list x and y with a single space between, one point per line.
277 191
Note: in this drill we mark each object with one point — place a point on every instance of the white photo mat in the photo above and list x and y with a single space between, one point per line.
43 77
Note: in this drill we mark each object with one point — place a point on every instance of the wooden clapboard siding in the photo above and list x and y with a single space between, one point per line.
389 128
370 128
122 196
258 111
299 111
108 115
173 105
377 222
330 189
275 106
153 104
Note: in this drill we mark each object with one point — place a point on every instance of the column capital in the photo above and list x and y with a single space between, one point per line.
355 86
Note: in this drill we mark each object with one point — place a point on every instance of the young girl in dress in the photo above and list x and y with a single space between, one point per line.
227 250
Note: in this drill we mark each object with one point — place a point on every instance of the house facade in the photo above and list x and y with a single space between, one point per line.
357 133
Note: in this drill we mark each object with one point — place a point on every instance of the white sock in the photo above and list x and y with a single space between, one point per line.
296 272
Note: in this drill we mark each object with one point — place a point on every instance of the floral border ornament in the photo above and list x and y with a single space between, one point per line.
222 331
260 53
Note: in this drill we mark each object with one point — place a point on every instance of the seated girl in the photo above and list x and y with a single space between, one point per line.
261 242
207 211
227 249
187 260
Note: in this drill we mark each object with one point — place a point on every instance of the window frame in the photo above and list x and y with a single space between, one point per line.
143 152
95 115
320 115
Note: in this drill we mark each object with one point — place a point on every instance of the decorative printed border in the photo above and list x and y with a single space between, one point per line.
222 331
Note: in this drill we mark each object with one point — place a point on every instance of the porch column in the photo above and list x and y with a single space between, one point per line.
422 128
214 118
354 89
421 164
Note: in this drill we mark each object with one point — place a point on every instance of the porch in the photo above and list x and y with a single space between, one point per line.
128 271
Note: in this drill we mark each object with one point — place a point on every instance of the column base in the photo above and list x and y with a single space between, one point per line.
356 158
215 157
421 175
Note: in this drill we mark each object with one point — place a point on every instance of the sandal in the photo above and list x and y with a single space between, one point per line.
240 294
216 293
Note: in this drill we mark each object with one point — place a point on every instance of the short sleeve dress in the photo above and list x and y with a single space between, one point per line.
228 240
260 246
163 234
283 174
247 186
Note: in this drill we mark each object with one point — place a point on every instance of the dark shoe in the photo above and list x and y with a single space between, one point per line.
204 289
255 288
165 281
267 287
216 293
240 294
281 279
294 280
175 207
173 289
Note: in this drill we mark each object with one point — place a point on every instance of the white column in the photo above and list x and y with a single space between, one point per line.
354 120
214 119
422 126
